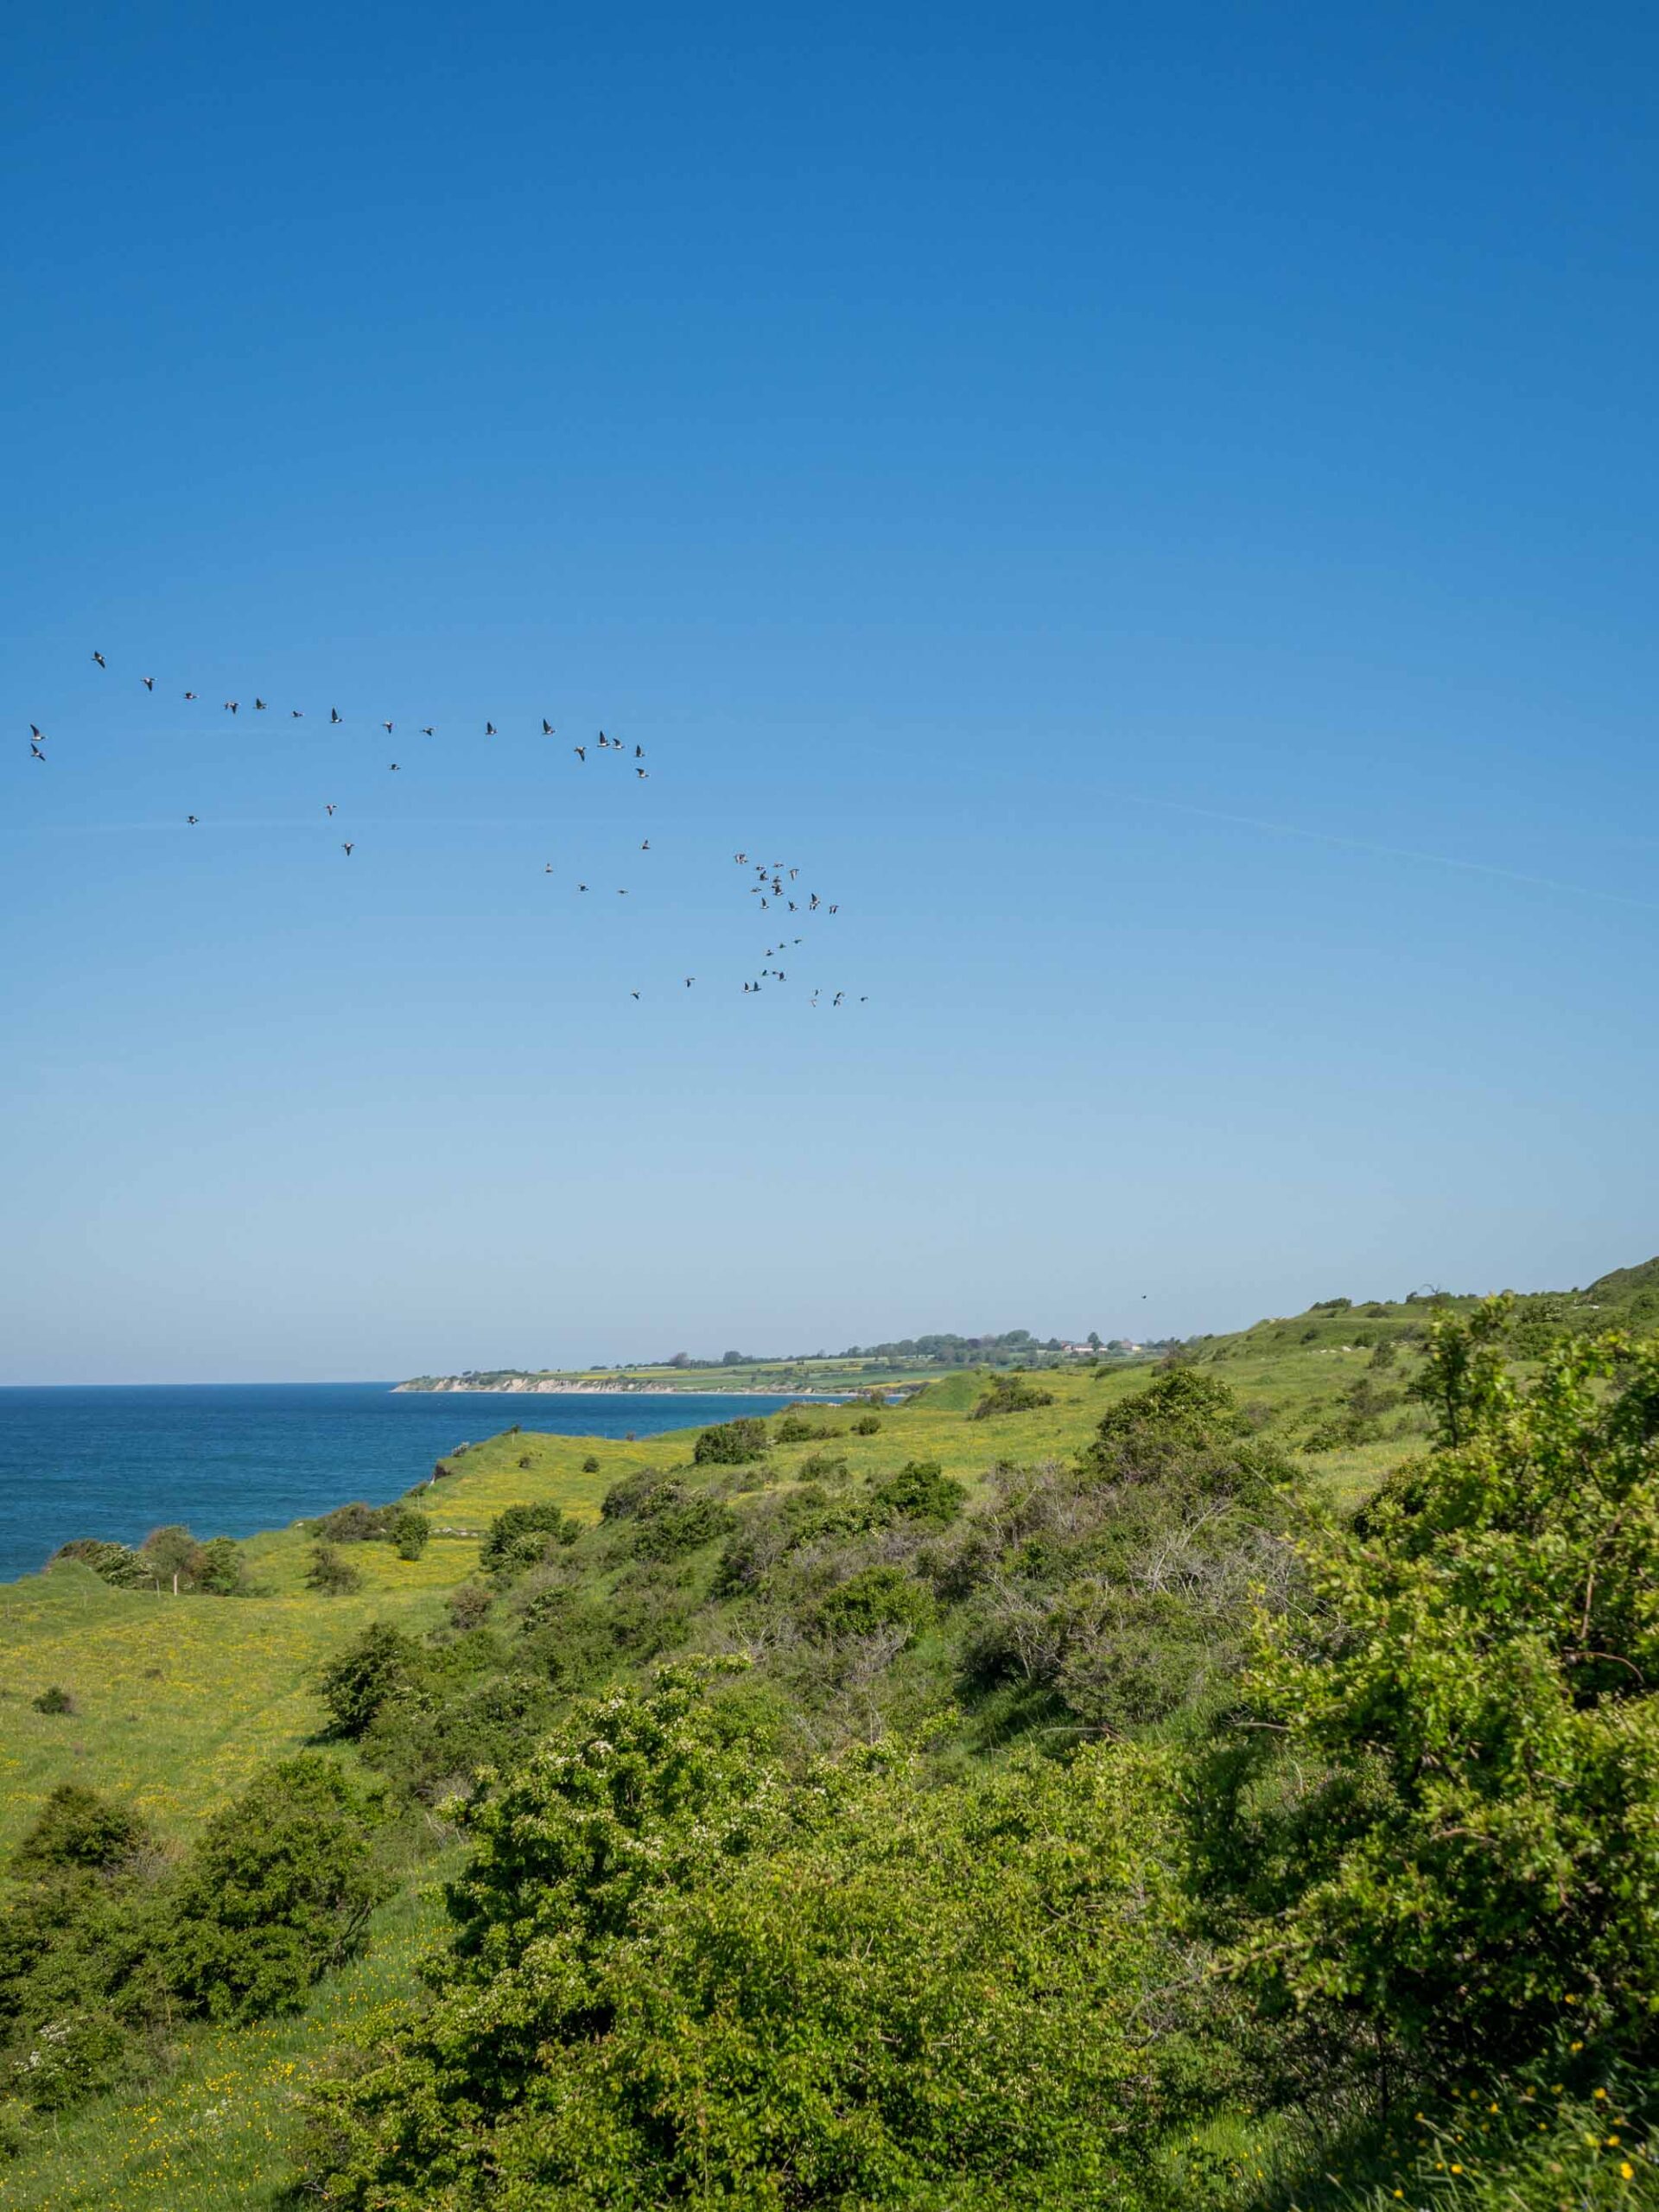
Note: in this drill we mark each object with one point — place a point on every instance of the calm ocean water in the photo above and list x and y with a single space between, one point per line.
230 1459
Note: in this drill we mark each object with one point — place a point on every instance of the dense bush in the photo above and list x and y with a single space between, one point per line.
732 1444
381 1664
795 1428
632 1494
330 1575
867 1425
278 1889
522 1535
876 1598
919 1492
674 1978
678 1529
1443 1817
116 1564
356 1523
411 1531
1011 1393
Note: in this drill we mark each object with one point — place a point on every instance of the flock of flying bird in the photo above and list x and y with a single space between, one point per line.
774 886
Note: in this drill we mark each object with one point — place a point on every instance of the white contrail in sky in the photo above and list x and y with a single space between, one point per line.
1390 852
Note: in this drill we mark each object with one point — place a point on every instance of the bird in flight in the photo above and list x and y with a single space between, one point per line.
645 848
328 807
260 705
428 731
394 767
192 819
489 729
35 748
190 694
581 751
547 727
387 728
638 751
581 887
633 995
334 714
689 981
230 705
149 683
640 773
347 850
99 658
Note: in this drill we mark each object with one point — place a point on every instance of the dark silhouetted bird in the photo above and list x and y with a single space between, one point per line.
640 773
547 727
428 731
35 751
347 850
334 714
633 995
638 751
99 658
645 848
581 751
149 683
394 767
260 705
230 705
489 729
190 694
689 981
581 887
387 728
328 807
193 818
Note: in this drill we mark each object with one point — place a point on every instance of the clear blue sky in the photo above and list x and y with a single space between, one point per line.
1153 505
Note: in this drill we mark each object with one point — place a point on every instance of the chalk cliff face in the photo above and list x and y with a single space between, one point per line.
552 1383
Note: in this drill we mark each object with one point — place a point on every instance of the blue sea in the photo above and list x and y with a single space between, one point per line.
233 1458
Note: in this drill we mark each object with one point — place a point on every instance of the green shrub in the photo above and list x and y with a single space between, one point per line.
55 1699
411 1531
674 1979
921 1491
867 1425
329 1574
677 1530
648 1488
590 1466
874 1599
1011 1393
1445 1817
78 1829
116 1564
278 1891
356 1523
381 1664
795 1428
523 1536
468 1605
732 1444
220 1572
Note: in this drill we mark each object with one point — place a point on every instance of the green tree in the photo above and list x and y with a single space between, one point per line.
278 1889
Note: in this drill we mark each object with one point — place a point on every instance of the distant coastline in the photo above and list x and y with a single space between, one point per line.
558 1386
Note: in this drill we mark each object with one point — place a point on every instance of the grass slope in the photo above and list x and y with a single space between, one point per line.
182 1699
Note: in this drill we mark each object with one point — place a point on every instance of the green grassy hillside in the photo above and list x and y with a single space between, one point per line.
178 1702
